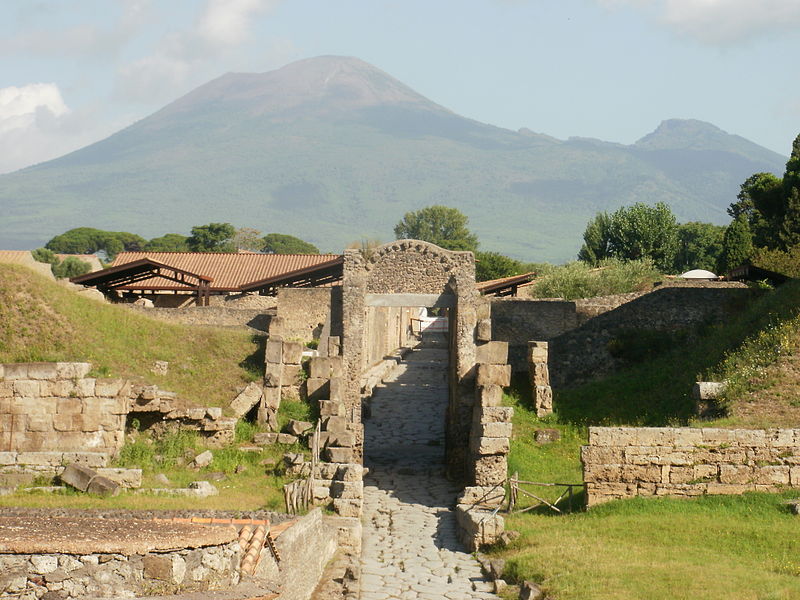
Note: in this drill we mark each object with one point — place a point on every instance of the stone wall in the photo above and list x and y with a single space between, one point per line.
580 329
622 462
583 353
305 311
215 316
389 329
57 407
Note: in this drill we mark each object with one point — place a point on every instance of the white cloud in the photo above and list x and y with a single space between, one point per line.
720 21
190 56
37 125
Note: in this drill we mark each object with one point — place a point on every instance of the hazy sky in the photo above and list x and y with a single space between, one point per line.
74 71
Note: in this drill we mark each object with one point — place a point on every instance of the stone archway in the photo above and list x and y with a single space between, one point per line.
413 273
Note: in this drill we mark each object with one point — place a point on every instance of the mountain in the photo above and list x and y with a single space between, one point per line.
332 149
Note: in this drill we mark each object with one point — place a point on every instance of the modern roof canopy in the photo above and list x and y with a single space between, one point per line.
506 286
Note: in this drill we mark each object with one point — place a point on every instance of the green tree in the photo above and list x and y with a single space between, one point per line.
493 265
169 242
214 237
737 245
70 267
43 255
280 243
596 240
87 240
699 246
441 225
642 231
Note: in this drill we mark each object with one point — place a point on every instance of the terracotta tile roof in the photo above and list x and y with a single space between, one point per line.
228 271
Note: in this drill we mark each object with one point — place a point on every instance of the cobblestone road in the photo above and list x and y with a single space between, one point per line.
410 548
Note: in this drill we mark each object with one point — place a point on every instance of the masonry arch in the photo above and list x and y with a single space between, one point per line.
412 273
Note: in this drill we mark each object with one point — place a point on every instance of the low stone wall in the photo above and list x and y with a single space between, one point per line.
305 548
215 316
56 407
622 462
18 468
584 353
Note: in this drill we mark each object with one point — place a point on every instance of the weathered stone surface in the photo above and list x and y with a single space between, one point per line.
126 478
334 424
339 455
246 400
492 353
203 489
287 438
484 446
171 568
292 352
203 459
493 375
482 496
317 388
483 331
298 428
708 390
331 408
490 395
265 439
493 414
103 486
490 470
273 352
78 477
546 436
531 591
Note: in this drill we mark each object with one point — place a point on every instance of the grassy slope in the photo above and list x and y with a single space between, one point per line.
43 321
713 547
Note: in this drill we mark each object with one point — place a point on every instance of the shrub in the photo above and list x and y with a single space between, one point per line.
579 280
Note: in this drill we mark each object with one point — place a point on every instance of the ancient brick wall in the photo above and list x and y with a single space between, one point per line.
584 353
621 462
215 316
305 311
57 407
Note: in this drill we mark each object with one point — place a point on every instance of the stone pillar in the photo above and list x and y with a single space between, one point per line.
540 378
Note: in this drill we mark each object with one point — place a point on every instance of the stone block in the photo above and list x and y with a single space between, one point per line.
287 438
546 436
537 352
49 459
42 370
15 371
347 507
347 489
339 455
273 374
708 390
539 374
490 395
349 472
78 476
85 387
794 476
494 430
126 478
8 458
26 388
494 375
73 370
330 408
93 460
492 353
6 389
483 331
482 496
265 439
543 400
293 375
317 388
771 475
493 414
737 474
334 424
246 400
40 423
271 398
213 412
203 459
273 353
530 590
490 470
337 389
346 439
334 345
108 387
203 489
292 352
298 428
169 568
599 473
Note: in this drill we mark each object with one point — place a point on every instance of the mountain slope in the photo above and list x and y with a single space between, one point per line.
332 149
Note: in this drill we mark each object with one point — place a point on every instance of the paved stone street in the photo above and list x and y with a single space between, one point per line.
410 547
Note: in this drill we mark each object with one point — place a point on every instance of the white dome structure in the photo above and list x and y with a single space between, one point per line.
698 274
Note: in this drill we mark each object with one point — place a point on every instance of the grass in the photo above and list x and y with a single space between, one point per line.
43 321
712 547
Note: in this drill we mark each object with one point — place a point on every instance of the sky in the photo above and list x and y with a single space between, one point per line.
75 71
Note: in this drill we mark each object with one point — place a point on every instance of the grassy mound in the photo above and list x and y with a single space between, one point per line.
43 321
